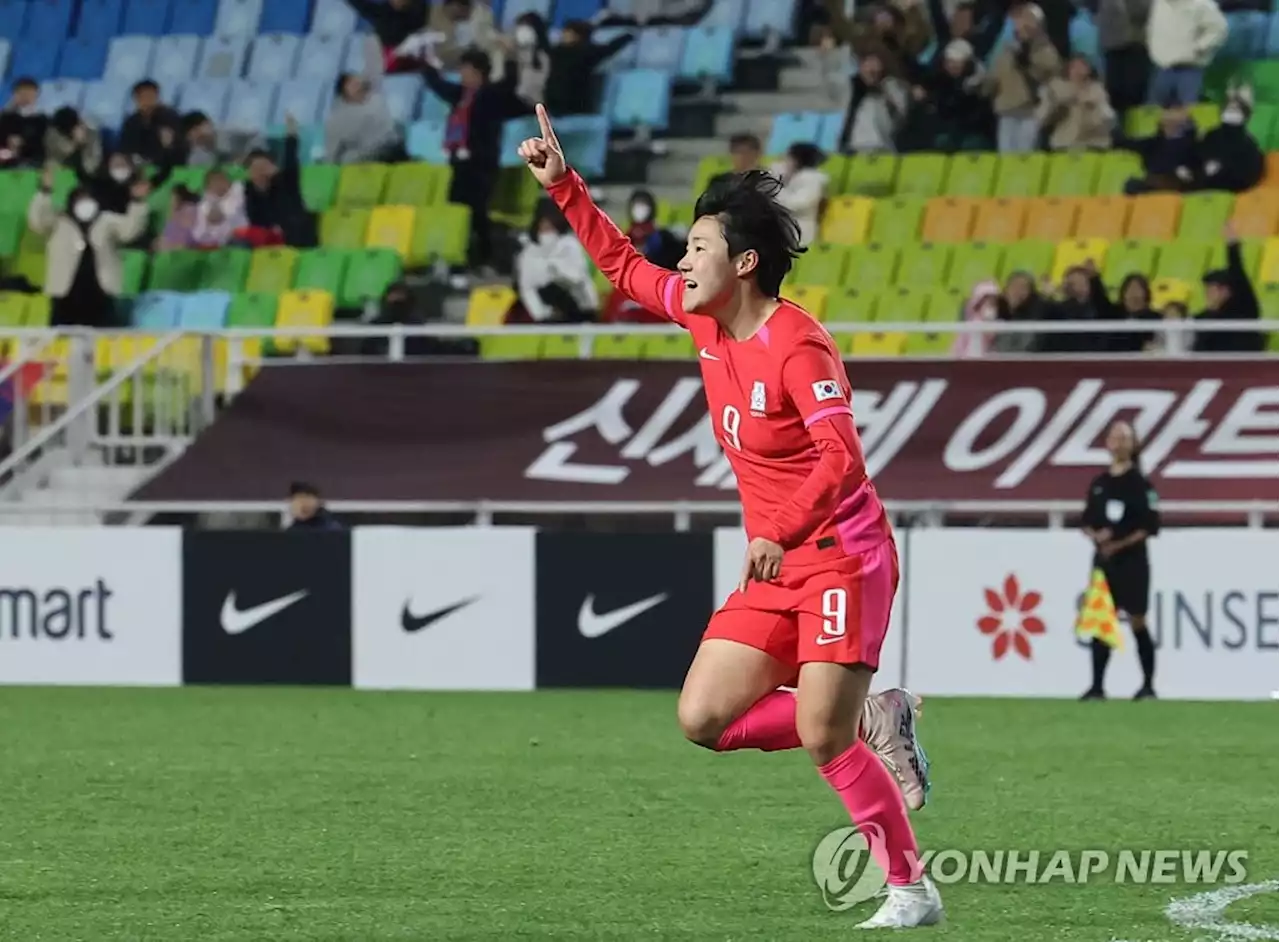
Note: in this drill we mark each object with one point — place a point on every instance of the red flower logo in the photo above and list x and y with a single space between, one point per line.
1011 619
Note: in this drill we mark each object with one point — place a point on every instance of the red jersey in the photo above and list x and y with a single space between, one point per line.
780 403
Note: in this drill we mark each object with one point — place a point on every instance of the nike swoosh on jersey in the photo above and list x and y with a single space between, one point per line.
236 621
707 356
593 625
411 622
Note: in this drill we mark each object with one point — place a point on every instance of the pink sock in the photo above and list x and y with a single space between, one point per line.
878 811
769 725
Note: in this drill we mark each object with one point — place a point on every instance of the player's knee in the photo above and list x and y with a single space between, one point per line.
825 736
700 722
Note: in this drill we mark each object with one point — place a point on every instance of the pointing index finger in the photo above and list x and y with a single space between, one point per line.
544 123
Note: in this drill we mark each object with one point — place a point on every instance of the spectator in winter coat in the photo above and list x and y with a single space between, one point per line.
572 85
1228 156
895 33
393 21
877 109
1134 305
360 128
152 131
1229 296
554 277
963 24
804 187
1074 112
982 306
461 25
951 112
69 142
1020 301
1081 301
273 196
531 50
1122 34
1021 68
1169 157
1182 36
22 126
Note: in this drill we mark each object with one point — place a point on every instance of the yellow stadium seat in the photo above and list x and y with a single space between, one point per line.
1154 216
1255 214
1170 291
391 227
1269 268
948 220
847 220
1051 218
487 307
1102 217
1075 252
999 220
812 298
879 345
248 357
304 309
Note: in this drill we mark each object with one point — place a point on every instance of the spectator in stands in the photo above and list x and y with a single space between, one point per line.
152 132
360 128
531 50
951 112
963 24
1020 301
982 306
655 243
113 182
1122 32
1135 305
393 22
1182 36
1083 299
804 187
1173 342
1228 158
69 142
307 510
221 212
895 33
1169 157
22 126
657 13
473 139
203 145
553 275
1229 296
1021 68
745 152
572 85
877 109
273 197
83 268
463 25
1074 111
179 229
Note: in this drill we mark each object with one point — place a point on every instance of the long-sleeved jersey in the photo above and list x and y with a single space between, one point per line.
780 403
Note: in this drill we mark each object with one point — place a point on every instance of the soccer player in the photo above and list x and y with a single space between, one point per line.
821 570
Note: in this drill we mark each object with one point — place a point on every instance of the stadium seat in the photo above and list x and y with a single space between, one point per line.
289 18
512 344
1203 214
82 57
47 21
669 347
972 262
1021 175
797 127
304 308
971 175
1074 252
37 60
303 99
1129 257
897 221
176 271
173 61
1029 256
222 57
344 227
104 103
1000 220
921 175
1255 214
100 18
708 53
871 267
1170 291
209 95
13 17
13 309
813 298
851 305
61 93
709 167
146 17
488 306
946 305
226 270
1114 170
1051 218
641 99
1183 259
1268 270
273 58
923 263
249 106
1073 174
836 167
822 264
903 304
253 310
204 310
660 47
1142 122
369 272
441 236
585 140
193 17
416 184
871 175
948 219
129 58
777 17
424 140
391 227
929 345
271 270
401 94
618 347
321 270
333 18
847 220
1154 216
321 57
157 310
238 17
879 345
1102 217
361 184
5 49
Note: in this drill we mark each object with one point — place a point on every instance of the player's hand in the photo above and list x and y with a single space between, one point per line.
763 562
543 154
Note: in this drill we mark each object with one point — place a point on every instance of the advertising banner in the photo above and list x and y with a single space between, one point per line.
91 606
992 613
443 608
1016 429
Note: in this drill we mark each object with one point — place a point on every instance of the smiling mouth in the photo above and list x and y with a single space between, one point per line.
688 283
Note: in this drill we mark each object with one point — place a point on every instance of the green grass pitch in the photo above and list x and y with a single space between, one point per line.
269 815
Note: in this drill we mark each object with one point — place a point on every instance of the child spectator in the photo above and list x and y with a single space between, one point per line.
179 230
220 213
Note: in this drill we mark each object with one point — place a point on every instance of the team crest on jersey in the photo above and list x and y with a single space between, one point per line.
757 396
825 389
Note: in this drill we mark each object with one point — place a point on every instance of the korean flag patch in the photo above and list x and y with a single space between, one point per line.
825 389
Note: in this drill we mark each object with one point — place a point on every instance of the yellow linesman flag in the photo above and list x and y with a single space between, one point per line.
1098 618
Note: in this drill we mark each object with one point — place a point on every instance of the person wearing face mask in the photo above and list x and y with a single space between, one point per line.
554 279
1229 158
84 271
983 305
531 51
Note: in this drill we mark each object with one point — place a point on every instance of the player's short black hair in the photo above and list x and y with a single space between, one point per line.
747 207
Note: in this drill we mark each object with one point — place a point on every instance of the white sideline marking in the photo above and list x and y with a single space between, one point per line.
1204 911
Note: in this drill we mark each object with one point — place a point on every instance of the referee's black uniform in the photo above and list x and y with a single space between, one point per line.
1124 504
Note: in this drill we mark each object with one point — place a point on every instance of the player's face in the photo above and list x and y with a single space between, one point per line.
710 276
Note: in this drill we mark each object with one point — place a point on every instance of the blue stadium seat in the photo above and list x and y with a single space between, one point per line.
776 16
13 17
796 127
321 57
708 53
157 310
424 140
100 18
4 57
238 18
567 10
513 132
105 101
129 58
250 106
146 18
286 16
302 98
513 9
730 13
1083 37
624 58
61 93
585 139
660 47
353 58
84 57
1246 36
829 128
203 310
641 97
49 20
333 18
193 17
207 95
174 61
401 93
36 59
274 57
1271 48
223 57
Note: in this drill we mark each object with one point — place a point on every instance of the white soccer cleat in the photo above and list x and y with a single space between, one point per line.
916 904
889 727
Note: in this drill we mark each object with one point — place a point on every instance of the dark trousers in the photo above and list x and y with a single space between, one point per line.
1128 77
473 186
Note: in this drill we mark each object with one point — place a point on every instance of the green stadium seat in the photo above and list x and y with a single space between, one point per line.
1127 257
929 345
361 184
441 235
902 305
368 274
1262 126
412 184
29 265
1029 256
972 262
253 310
618 347
12 225
945 305
133 274
319 183
836 167
16 189
822 264
675 215
708 167
226 270
13 309
1204 214
514 344
1262 76
871 175
344 227
39 311
1186 260
1207 116
321 270
1021 175
1115 169
561 347
177 271
897 221
271 270
851 305
923 263
871 266
971 175
64 181
921 175
515 197
1074 174
1142 122
669 347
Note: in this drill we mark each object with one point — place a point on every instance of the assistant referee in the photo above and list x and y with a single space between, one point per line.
1120 515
